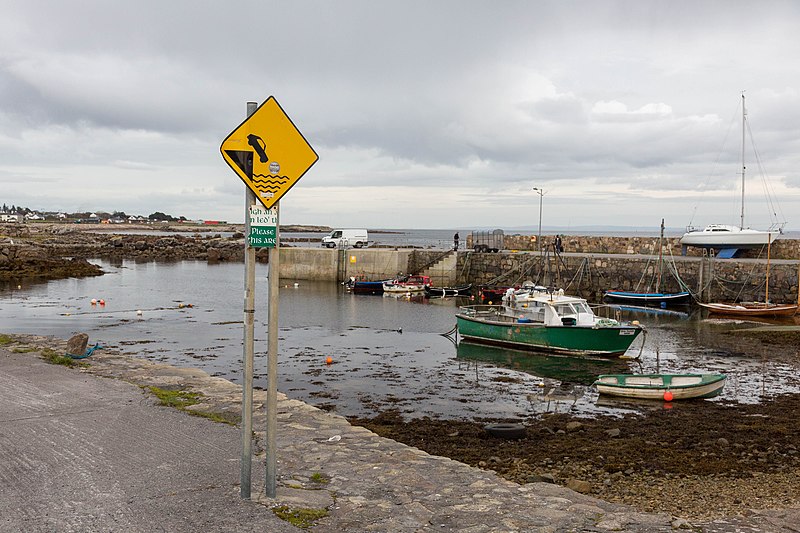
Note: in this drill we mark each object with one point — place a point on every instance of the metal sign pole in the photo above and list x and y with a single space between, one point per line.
249 312
271 447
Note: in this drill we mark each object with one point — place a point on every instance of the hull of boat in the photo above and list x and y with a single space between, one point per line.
649 297
367 287
728 239
654 386
752 310
464 290
402 289
575 340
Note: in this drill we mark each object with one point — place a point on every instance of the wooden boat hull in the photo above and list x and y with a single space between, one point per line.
575 340
751 310
645 298
654 386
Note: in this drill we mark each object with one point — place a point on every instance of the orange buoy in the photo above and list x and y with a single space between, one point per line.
667 396
329 360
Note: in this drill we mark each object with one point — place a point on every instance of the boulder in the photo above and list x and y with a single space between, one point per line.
76 345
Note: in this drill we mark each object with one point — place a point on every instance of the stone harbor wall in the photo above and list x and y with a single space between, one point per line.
589 276
595 244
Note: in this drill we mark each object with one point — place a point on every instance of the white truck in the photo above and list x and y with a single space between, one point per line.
342 238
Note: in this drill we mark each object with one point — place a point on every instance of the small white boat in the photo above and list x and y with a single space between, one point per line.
661 386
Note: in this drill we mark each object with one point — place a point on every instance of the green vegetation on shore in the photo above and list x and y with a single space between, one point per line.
182 399
302 518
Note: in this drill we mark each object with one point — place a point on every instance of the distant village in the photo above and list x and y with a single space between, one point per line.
24 214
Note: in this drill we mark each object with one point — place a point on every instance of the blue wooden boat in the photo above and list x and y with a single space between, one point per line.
649 298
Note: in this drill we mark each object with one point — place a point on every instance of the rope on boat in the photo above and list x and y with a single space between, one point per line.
641 348
451 332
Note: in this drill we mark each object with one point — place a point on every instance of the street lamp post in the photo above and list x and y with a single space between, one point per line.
540 192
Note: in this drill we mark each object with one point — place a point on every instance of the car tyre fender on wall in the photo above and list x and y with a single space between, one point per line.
506 431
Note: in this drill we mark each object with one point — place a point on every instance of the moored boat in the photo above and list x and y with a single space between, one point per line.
410 284
751 309
649 298
661 386
550 322
357 286
655 297
461 290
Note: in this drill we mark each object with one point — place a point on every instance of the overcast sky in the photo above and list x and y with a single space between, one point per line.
424 114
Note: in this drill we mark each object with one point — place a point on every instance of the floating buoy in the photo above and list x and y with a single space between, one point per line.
94 301
329 360
102 302
180 306
296 285
667 396
139 312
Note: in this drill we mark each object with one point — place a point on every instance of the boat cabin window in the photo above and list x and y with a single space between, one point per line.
564 310
574 308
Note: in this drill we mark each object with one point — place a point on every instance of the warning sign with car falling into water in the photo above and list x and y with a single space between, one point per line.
268 152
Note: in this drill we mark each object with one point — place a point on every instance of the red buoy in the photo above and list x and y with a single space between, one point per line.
667 396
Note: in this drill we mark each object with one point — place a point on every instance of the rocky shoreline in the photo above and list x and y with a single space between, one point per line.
53 251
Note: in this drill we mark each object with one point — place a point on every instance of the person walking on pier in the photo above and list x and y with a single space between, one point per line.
455 241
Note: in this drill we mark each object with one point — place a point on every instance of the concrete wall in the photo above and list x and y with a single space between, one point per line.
333 265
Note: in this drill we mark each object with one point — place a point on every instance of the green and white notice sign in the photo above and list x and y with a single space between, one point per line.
263 227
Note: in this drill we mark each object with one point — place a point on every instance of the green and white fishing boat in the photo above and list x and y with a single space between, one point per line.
661 386
534 319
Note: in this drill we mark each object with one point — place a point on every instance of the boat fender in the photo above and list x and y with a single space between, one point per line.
506 431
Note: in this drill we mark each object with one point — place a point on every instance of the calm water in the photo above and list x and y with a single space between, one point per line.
386 352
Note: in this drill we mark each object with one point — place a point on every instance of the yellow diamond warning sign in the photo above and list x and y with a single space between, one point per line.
268 152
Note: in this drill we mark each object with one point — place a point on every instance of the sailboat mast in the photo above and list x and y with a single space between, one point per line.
744 118
660 260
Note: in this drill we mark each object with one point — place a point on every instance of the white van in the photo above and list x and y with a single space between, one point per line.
342 238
